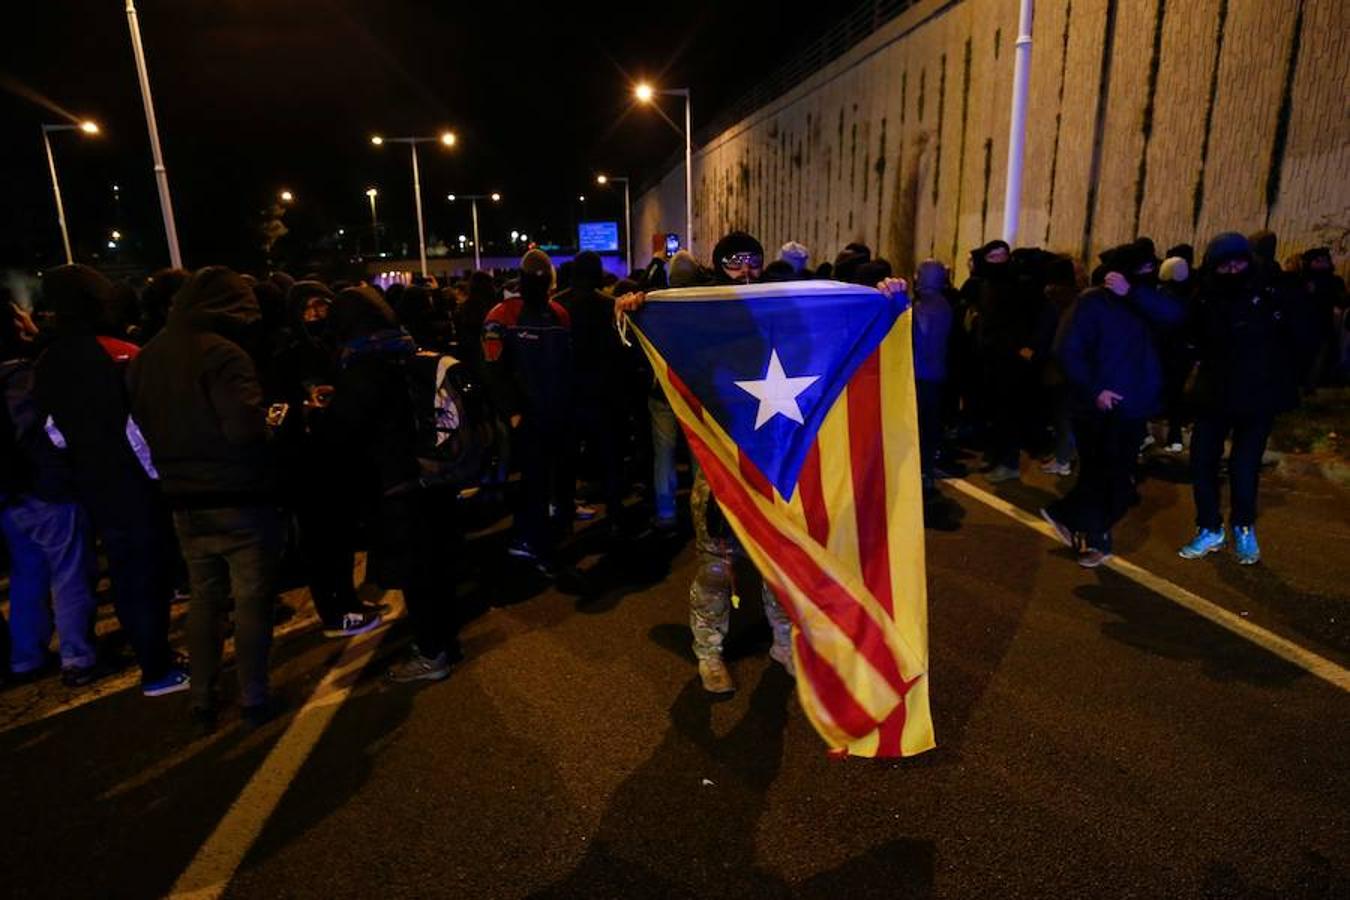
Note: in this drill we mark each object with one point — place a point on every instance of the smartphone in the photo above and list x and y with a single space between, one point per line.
276 414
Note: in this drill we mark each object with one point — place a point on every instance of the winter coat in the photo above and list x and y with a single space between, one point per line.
932 333
1246 346
197 397
30 464
1110 344
527 360
597 353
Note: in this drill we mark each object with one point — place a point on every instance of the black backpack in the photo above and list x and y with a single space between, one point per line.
456 440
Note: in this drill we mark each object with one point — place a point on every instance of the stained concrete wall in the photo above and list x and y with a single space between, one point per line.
1171 118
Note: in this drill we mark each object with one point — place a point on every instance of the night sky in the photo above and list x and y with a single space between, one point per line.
256 96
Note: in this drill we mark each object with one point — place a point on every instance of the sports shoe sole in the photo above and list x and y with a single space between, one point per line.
181 686
1093 562
1064 535
1202 554
340 633
434 675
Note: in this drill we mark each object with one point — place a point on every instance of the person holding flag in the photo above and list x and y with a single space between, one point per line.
798 402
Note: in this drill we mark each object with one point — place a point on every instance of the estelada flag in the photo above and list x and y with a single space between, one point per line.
798 402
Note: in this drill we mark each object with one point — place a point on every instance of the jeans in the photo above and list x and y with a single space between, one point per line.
50 552
928 396
230 553
1244 466
665 432
1108 450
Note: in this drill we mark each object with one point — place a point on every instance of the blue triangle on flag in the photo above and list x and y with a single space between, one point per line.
759 357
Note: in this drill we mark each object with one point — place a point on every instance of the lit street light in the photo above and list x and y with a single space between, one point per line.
88 128
473 202
447 139
645 93
371 193
627 217
287 196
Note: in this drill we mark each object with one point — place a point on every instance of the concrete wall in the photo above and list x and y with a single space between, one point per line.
1171 118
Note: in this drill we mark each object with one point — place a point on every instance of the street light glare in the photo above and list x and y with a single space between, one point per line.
496 197
89 127
287 196
644 92
450 197
601 179
376 140
371 192
448 138
581 197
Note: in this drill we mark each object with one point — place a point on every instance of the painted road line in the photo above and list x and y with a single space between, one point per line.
1287 650
213 867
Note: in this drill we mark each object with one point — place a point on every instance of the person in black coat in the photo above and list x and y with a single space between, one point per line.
1110 361
79 379
372 424
1245 345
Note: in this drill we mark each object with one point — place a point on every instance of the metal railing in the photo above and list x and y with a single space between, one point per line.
844 35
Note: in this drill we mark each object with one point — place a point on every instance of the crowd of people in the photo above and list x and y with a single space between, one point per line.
199 427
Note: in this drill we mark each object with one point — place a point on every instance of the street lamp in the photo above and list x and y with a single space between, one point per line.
161 173
627 216
88 128
447 139
371 194
645 93
287 196
473 203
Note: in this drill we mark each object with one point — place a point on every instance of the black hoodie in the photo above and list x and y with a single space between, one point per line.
196 395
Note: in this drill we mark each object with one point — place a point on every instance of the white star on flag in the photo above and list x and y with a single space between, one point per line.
777 393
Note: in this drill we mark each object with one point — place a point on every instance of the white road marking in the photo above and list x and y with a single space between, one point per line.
213 867
1287 650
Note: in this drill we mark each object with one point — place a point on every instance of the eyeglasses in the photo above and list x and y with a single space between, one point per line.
743 260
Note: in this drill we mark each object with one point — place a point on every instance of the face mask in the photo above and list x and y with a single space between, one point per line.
316 329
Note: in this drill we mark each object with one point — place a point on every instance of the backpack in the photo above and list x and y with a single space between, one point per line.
456 440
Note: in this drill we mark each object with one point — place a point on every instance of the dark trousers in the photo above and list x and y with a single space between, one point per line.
1108 450
1010 392
417 538
544 452
600 429
1249 435
928 398
327 549
230 553
136 534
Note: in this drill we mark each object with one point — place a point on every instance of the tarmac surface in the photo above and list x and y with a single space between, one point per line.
1094 739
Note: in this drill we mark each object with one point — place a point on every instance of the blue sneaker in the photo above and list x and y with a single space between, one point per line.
1244 542
174 680
1205 542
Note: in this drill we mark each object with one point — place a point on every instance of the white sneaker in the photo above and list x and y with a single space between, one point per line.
1055 467
354 623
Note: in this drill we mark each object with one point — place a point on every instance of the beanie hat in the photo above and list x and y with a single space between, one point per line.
1226 246
1185 251
536 262
795 255
684 270
79 297
1175 269
736 242
587 269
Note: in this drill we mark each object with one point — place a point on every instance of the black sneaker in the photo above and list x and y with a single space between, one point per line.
79 676
523 551
354 623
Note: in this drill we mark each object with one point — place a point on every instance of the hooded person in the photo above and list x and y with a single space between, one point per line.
47 533
1318 298
738 258
157 297
79 381
932 324
848 261
600 368
529 368
1061 293
1245 345
1110 360
795 255
1176 279
198 398
370 425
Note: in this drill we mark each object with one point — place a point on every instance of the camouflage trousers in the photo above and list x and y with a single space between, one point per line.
710 593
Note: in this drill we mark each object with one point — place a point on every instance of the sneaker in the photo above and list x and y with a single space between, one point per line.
1244 543
1174 447
354 623
587 511
1000 474
1205 542
1057 467
1091 557
523 551
782 654
173 681
1062 531
715 675
421 668
79 676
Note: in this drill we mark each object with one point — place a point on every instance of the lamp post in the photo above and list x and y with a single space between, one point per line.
627 217
447 139
645 93
86 127
371 194
473 205
161 173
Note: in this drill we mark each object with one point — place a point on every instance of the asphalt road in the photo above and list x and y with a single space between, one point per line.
1095 740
